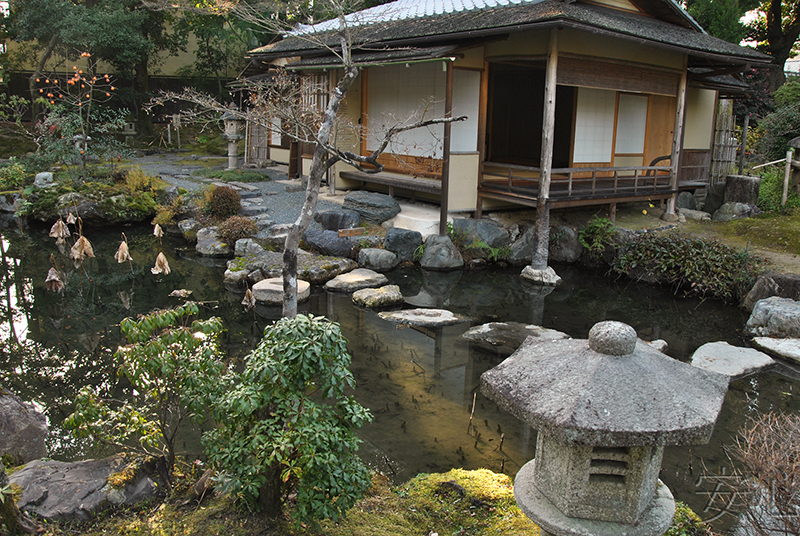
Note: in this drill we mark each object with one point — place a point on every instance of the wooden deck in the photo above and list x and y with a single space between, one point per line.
573 187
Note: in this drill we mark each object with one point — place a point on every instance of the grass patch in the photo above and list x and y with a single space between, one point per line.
236 175
777 232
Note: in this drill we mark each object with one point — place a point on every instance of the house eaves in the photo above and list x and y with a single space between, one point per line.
456 27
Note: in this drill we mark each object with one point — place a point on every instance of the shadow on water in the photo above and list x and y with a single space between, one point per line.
419 383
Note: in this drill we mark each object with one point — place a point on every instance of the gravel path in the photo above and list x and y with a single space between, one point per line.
278 197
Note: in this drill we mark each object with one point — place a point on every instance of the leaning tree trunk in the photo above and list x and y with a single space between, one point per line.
319 165
10 516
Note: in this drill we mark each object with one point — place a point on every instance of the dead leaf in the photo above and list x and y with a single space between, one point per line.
162 266
53 281
180 293
122 253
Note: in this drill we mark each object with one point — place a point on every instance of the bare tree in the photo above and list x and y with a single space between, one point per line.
288 104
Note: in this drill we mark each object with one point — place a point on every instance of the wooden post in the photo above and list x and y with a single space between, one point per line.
786 176
677 136
539 261
448 112
744 143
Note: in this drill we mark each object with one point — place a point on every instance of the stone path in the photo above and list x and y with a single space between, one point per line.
277 196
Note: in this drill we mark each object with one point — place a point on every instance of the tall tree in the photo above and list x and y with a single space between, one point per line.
123 33
775 31
722 18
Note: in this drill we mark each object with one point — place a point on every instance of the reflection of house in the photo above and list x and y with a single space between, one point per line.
633 80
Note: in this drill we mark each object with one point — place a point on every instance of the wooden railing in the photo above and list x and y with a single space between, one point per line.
578 183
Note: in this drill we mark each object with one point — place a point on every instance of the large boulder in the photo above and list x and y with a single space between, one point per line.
189 228
774 317
356 280
441 254
488 231
565 245
376 259
333 220
373 207
735 211
209 244
247 246
330 243
23 429
522 248
79 205
742 189
315 269
783 348
61 491
43 179
771 284
686 200
403 243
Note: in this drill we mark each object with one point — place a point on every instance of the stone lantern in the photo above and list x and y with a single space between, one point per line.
604 409
233 133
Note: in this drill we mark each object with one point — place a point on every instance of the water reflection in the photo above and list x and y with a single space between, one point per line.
419 383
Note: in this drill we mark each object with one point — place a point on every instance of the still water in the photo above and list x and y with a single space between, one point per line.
420 384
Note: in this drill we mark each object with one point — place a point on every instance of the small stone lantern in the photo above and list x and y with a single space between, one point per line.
604 408
233 133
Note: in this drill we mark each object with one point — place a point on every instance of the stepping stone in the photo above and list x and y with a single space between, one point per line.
505 337
250 194
356 280
249 188
785 348
271 290
729 360
424 317
378 297
253 210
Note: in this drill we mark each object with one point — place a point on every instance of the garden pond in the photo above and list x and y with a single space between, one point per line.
420 384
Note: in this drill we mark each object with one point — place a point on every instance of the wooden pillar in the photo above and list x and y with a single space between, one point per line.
542 242
677 136
448 112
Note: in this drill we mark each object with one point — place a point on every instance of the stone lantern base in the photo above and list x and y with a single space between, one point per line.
654 521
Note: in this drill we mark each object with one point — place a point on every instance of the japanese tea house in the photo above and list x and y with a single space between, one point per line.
627 90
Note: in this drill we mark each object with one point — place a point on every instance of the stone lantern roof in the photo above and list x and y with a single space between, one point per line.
612 390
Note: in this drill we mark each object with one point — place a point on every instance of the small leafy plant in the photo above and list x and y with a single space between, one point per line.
222 202
171 364
597 235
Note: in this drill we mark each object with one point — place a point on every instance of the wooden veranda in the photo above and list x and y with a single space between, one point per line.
578 186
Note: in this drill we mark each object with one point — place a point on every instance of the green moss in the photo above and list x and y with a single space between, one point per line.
124 477
237 175
687 523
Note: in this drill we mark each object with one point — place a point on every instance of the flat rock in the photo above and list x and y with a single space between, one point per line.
356 280
23 429
372 207
247 246
774 317
505 337
696 215
270 291
378 297
729 360
786 348
61 491
315 269
735 211
424 317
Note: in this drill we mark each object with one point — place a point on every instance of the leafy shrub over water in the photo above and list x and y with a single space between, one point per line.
236 227
700 267
286 424
222 202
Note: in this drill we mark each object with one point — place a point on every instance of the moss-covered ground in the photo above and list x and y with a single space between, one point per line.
458 502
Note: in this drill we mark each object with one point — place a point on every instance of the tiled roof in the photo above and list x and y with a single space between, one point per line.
521 14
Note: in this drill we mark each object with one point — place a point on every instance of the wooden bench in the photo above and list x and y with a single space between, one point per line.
428 186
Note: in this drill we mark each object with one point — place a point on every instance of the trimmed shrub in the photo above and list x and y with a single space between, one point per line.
222 202
236 227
